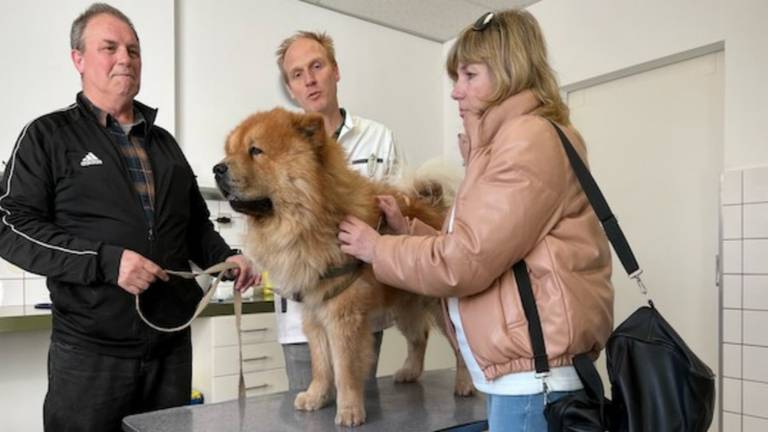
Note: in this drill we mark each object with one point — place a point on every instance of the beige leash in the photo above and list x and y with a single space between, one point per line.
219 268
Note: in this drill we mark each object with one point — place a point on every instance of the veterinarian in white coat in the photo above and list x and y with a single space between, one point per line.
308 65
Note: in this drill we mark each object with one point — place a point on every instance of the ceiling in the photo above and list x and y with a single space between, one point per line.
436 20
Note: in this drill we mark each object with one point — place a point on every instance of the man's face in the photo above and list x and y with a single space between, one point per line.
110 60
311 76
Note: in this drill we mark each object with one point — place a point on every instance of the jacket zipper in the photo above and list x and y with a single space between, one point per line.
121 161
150 231
153 223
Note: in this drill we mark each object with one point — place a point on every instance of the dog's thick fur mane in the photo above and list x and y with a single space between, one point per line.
298 241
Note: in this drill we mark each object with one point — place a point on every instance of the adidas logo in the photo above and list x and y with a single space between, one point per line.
90 159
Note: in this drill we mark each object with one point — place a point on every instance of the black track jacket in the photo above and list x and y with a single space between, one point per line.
69 218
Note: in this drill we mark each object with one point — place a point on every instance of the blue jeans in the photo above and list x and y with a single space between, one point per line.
519 413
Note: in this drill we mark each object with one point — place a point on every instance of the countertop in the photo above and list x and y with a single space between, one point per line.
25 318
428 405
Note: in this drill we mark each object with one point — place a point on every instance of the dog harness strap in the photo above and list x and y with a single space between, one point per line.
350 268
342 270
338 289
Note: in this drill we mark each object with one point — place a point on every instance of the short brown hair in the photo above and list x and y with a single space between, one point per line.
513 47
78 25
320 37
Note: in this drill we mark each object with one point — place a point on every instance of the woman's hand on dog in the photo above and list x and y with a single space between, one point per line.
393 214
244 275
357 238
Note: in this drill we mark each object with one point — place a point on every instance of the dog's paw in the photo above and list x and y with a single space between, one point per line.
306 401
350 416
463 386
464 389
404 375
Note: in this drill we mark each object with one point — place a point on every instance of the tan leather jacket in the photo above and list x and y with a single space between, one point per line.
519 200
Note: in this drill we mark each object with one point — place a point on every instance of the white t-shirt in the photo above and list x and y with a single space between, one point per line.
372 151
514 384
562 378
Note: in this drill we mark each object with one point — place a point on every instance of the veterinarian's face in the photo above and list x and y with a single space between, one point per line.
110 60
311 76
472 88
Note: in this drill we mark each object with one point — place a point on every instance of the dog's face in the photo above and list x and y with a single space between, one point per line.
273 162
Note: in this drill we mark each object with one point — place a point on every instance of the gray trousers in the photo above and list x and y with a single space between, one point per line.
298 363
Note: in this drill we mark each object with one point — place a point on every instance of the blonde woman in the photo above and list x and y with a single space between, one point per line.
519 200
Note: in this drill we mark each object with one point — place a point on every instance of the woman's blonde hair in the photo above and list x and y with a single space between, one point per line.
511 44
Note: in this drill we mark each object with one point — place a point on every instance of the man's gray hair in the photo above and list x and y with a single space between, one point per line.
78 25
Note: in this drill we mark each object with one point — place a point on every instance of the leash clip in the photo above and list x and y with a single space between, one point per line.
543 377
640 284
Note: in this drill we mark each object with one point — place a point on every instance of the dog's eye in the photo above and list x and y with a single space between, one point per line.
255 151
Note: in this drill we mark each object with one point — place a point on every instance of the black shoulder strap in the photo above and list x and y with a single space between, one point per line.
584 366
532 315
612 230
593 385
600 206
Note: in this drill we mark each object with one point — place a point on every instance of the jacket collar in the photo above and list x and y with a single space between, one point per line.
348 124
480 130
149 114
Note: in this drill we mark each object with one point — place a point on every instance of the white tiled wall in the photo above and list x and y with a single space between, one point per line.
19 288
232 232
744 305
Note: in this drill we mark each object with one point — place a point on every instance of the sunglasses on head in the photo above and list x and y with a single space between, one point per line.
483 22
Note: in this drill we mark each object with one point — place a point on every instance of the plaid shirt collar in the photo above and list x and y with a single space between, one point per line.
104 118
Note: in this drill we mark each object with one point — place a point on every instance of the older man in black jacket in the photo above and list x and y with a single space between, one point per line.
101 200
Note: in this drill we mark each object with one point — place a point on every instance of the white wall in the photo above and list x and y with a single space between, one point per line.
227 71
37 74
451 120
23 380
218 67
624 33
593 38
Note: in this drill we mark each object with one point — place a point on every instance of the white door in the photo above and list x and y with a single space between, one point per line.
654 141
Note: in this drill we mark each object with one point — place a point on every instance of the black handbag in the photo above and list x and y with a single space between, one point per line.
658 383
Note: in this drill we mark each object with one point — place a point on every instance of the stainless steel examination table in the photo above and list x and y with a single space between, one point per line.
428 405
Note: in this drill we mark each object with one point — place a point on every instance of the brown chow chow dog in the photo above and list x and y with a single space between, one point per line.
293 183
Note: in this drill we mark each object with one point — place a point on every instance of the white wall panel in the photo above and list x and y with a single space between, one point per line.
227 70
38 76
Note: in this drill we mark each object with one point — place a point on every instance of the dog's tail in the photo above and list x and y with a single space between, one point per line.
436 182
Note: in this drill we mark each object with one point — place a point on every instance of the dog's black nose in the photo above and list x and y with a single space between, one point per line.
220 168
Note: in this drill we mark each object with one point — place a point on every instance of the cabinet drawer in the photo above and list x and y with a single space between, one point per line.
256 357
259 327
256 383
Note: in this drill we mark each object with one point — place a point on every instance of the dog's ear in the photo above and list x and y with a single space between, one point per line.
311 127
